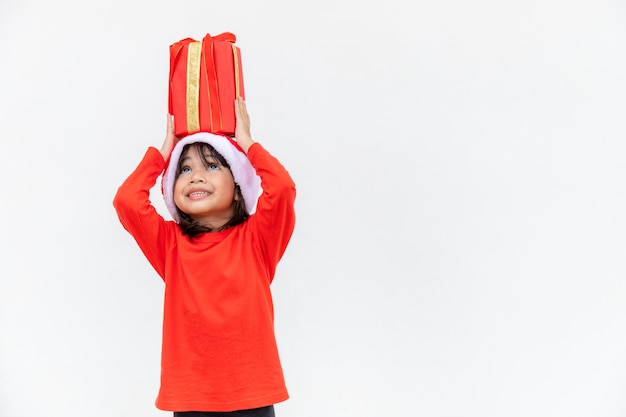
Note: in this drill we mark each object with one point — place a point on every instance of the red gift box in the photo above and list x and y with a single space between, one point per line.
205 79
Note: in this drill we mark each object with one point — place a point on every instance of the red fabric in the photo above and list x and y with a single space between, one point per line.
217 92
219 350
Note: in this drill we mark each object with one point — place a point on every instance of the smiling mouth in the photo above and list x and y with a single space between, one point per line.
197 194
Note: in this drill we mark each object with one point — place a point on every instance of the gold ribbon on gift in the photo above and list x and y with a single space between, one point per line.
236 60
194 53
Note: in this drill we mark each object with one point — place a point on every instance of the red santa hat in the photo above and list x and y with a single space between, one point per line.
243 172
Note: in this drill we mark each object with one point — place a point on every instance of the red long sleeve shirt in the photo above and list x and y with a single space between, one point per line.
219 349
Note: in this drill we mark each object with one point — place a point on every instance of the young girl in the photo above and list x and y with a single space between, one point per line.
217 259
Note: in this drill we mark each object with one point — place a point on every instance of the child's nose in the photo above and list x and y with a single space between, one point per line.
196 177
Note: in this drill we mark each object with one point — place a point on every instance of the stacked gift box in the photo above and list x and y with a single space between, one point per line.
205 79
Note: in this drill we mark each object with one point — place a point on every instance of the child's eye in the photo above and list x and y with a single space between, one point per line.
185 170
213 166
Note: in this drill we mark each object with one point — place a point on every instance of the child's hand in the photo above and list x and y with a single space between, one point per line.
170 138
242 127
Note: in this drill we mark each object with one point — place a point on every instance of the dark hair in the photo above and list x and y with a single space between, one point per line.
208 154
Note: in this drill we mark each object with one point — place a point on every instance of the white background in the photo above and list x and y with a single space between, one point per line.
460 242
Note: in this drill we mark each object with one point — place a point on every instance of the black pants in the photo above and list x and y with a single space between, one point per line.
254 412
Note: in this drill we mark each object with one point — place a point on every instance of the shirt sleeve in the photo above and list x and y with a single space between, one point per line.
136 213
274 218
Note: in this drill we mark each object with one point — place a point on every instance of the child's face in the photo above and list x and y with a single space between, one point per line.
206 194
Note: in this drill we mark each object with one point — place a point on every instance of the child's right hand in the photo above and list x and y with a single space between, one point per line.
170 138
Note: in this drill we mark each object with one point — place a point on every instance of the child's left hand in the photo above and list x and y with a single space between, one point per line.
242 127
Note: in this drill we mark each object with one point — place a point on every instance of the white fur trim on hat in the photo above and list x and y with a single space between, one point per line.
243 172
